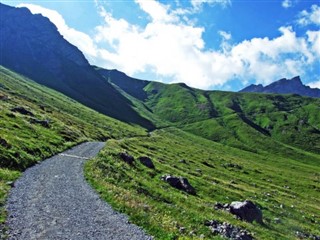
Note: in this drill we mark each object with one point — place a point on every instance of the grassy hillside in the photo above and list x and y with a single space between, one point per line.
286 189
37 122
254 122
265 148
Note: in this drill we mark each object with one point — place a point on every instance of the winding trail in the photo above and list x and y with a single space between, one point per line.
52 200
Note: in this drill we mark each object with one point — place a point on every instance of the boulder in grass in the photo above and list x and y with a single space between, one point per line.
127 158
146 161
179 183
22 110
246 211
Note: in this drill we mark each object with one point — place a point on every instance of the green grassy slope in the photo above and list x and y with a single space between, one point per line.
283 188
245 120
23 142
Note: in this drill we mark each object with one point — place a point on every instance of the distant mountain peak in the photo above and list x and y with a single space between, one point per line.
285 86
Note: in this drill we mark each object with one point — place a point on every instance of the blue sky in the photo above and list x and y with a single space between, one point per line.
208 44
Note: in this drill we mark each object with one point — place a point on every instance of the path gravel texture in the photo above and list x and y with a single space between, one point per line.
52 200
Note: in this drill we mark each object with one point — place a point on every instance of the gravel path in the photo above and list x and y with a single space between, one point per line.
52 200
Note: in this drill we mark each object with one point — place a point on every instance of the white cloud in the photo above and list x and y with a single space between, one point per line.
314 40
198 3
157 11
315 84
77 38
172 48
287 3
313 17
225 35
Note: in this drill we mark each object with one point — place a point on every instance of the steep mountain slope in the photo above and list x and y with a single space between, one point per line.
285 86
31 45
37 122
245 120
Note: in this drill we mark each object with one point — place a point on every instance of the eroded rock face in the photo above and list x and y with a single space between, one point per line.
246 211
146 161
179 183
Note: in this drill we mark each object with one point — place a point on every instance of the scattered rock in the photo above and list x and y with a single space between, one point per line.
228 231
127 158
183 161
179 183
146 161
11 184
246 211
302 235
43 123
219 206
22 110
277 220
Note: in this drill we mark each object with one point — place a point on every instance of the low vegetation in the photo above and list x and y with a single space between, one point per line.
37 122
229 146
285 189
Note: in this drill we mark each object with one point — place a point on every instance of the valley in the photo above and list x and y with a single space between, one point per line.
175 157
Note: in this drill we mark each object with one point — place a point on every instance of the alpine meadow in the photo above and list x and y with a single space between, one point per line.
177 161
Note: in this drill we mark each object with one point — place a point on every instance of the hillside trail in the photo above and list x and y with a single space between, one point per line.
52 200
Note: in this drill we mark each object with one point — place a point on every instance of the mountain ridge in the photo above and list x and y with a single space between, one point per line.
285 86
32 46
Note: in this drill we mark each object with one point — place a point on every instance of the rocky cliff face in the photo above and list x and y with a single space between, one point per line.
32 46
285 86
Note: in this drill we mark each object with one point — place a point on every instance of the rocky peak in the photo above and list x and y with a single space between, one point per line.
24 35
285 86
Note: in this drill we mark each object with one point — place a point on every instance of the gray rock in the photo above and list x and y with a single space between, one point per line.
183 161
127 158
246 211
146 161
218 206
228 231
277 220
179 183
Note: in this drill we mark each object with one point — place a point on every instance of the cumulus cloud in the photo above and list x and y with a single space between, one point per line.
313 17
287 3
173 49
315 84
77 38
